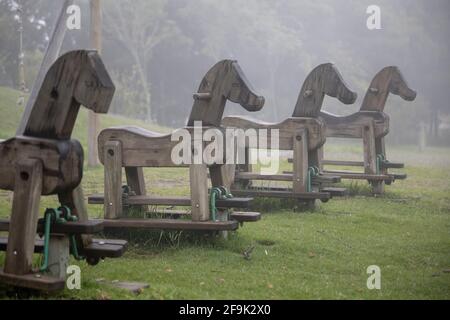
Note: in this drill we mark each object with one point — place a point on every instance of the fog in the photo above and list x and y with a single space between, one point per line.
157 52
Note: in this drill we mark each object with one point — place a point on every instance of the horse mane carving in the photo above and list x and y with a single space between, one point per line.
325 79
388 80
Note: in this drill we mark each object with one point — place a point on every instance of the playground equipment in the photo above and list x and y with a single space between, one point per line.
45 161
304 133
371 125
135 148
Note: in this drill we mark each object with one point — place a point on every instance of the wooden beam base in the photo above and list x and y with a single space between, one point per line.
283 194
33 281
87 227
173 201
360 175
170 224
99 248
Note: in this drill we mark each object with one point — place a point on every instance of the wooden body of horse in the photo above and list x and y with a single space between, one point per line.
44 161
370 124
304 132
134 148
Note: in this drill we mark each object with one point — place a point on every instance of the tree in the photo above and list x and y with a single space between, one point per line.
139 26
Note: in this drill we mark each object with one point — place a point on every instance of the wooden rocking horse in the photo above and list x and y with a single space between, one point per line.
371 125
304 133
135 148
45 161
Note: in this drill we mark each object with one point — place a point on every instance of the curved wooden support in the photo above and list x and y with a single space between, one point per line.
288 129
388 80
224 81
325 79
351 126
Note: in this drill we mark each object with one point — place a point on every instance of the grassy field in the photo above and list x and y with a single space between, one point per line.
321 254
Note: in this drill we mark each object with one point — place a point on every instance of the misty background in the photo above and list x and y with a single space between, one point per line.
157 52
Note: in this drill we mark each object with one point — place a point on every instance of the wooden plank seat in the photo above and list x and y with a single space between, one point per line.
398 176
169 224
235 202
99 248
82 227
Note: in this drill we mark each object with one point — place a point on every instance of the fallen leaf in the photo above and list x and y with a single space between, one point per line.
270 286
311 254
169 270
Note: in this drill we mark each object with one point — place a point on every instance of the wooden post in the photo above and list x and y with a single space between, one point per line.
198 176
24 217
58 256
369 149
93 119
136 181
113 206
300 161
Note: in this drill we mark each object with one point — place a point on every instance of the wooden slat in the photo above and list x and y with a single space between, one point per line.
283 194
170 224
321 178
343 163
235 202
256 176
358 175
32 281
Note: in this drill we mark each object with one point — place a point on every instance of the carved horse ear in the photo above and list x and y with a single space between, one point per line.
388 80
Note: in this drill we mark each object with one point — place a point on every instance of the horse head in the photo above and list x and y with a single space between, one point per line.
225 81
76 78
325 79
388 80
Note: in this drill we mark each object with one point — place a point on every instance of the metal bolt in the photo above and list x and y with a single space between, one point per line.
15 253
197 206
37 275
101 243
299 138
110 204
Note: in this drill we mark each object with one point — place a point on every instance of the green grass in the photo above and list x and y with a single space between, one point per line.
310 255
